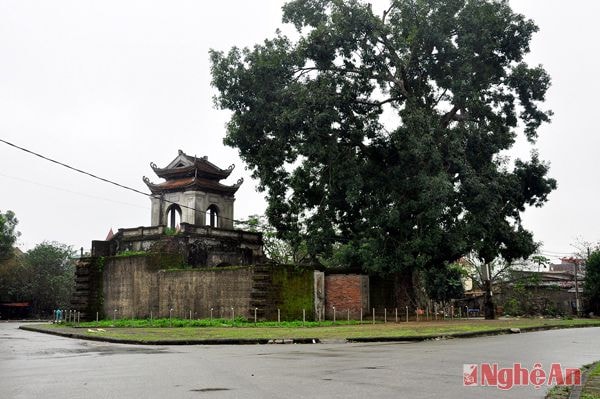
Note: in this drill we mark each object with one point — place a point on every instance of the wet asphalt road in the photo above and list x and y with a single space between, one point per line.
34 365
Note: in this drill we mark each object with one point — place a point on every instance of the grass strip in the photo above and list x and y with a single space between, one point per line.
339 331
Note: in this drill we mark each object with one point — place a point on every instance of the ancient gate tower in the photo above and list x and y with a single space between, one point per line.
192 193
192 259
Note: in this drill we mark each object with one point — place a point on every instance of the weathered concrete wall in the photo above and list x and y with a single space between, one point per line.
130 287
199 245
135 288
200 290
346 292
539 300
137 285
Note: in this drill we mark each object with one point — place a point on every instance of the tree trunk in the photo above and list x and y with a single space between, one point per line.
489 310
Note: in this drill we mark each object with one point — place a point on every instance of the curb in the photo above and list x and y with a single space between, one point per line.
263 341
578 390
215 341
469 334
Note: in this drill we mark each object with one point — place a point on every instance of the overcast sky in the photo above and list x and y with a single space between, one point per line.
111 86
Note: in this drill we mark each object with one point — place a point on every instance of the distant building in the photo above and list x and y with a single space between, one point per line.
568 264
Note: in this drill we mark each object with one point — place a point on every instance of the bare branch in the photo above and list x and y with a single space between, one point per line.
453 115
448 116
303 71
399 81
506 267
386 12
379 103
440 98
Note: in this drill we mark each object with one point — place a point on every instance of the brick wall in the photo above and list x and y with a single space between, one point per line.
346 292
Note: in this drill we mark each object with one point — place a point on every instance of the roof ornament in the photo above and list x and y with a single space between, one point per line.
146 180
180 152
231 167
153 165
239 182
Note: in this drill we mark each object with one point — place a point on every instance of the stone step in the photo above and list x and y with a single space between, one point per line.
81 286
261 284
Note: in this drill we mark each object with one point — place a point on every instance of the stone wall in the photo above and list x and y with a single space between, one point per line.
198 245
346 292
200 290
134 288
129 287
140 285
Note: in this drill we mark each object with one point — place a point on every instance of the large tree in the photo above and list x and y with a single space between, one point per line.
385 134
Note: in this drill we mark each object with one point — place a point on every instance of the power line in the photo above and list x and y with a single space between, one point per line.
104 179
69 191
73 168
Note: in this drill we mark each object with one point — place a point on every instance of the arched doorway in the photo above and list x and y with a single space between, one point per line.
212 216
174 216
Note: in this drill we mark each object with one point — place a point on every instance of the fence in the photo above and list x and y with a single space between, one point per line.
373 315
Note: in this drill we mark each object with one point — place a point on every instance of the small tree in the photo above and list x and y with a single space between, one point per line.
276 249
591 284
485 275
12 284
444 284
8 234
50 276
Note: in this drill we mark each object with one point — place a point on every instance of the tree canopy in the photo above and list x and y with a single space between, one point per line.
50 276
44 276
444 284
383 135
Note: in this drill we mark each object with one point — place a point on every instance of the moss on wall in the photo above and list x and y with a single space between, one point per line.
206 269
293 291
128 254
166 261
